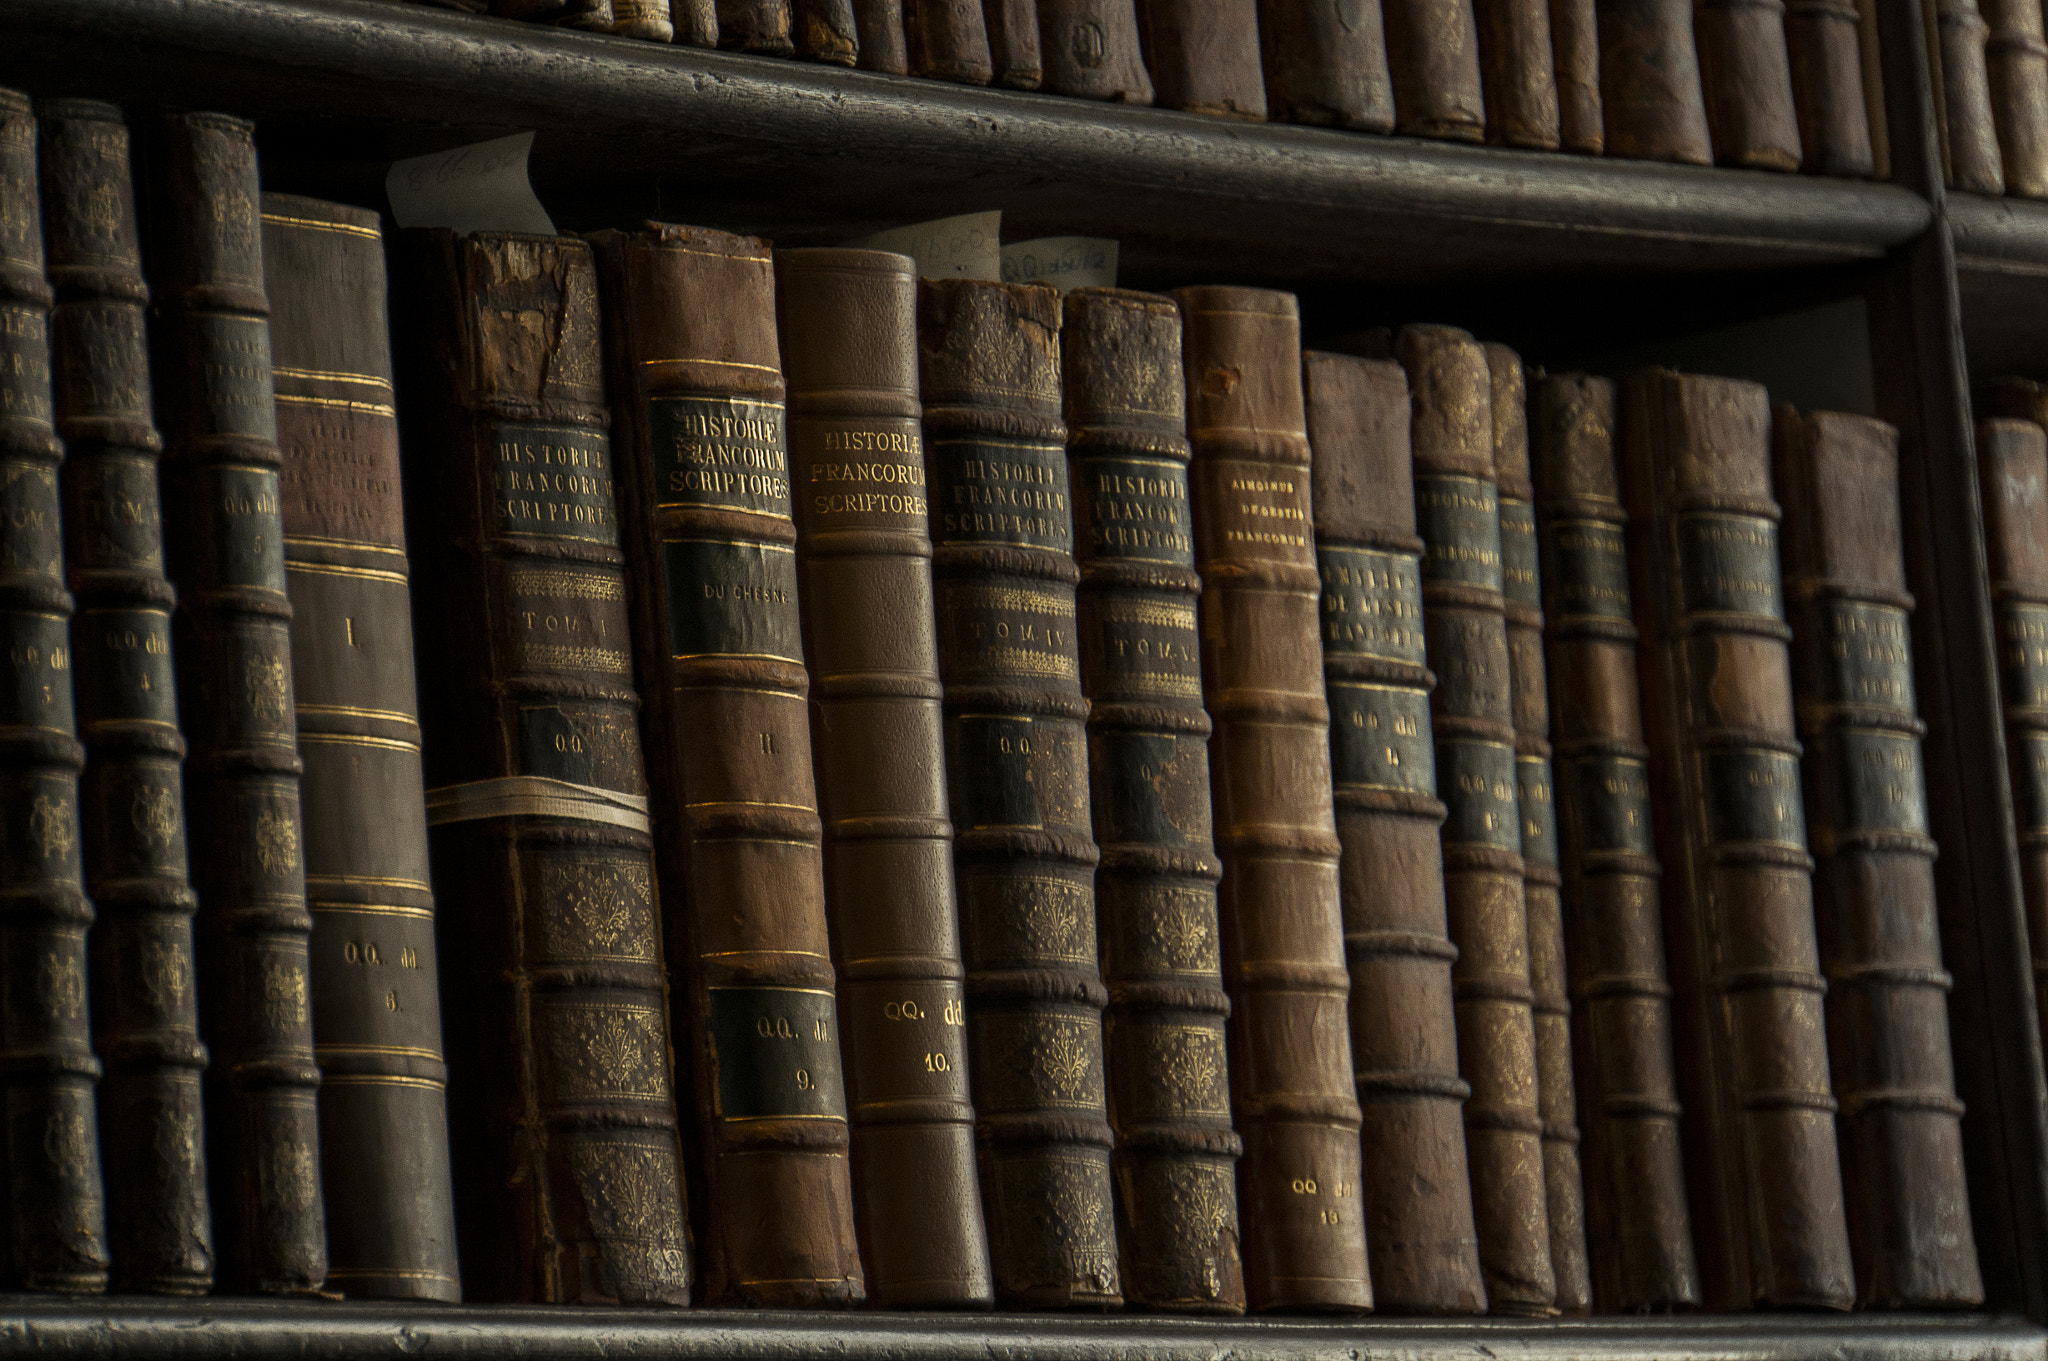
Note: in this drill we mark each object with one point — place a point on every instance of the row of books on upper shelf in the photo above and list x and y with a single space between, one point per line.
1989 63
927 792
1726 82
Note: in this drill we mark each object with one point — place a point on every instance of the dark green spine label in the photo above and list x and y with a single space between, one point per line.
777 1054
2030 780
1591 561
1878 783
1460 522
24 360
1537 803
1001 493
38 693
1728 564
1521 580
554 481
128 673
231 353
731 599
1380 739
2025 638
1869 655
1478 786
720 453
33 545
1133 510
1613 794
1372 603
246 531
1753 796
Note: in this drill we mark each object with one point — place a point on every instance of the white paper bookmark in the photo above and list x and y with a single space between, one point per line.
477 188
1062 261
964 247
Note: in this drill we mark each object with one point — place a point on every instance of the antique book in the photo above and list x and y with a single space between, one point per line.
863 559
594 15
146 1014
825 30
1962 87
1433 55
1017 776
1169 1085
878 26
764 26
569 1188
2016 68
697 404
648 19
1824 43
1518 74
1013 42
1419 1233
231 636
1746 74
1472 713
1651 104
1091 51
376 991
695 22
1765 1180
53 1230
1204 56
1326 63
1873 885
1575 46
1638 1224
1291 1074
947 40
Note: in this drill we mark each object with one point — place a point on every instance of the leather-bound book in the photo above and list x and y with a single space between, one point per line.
1969 135
2016 66
1575 47
1472 713
878 25
1651 104
648 19
1536 801
862 505
1017 775
1765 1180
1824 44
593 15
376 989
1417 1198
704 501
53 1233
1292 1083
1326 63
1433 55
827 31
1639 1227
568 1188
1169 1085
1013 42
1518 73
1204 56
231 636
764 26
695 22
947 40
1746 74
1880 944
146 1015
1091 50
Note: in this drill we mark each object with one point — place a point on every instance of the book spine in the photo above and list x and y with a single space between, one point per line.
1013 42
1880 942
1962 80
1091 50
376 995
1824 44
1293 1084
2016 68
864 566
146 1014
648 19
1433 57
826 30
1017 773
1651 105
1639 1226
1575 43
1204 56
711 549
1746 74
1327 64
232 640
1518 73
764 26
878 27
1148 765
53 1235
594 16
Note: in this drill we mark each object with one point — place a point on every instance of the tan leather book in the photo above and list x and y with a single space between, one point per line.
1651 104
1746 74
1091 50
1326 63
1204 56
1433 55
1866 798
1002 530
764 26
1639 1227
648 19
878 25
824 30
1766 1183
1013 42
947 40
1824 43
1269 765
1575 47
1472 713
1419 1234
1970 157
848 325
1148 766
704 510
2016 67
1518 73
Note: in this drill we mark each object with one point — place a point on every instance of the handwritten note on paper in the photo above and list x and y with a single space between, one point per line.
964 247
1063 261
477 188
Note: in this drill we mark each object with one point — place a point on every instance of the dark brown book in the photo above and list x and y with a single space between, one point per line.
947 40
1013 42
863 554
1091 50
1823 41
1433 55
1291 1074
826 30
648 19
146 1014
1962 85
764 26
1326 63
1162 958
568 1187
1419 1232
232 639
697 400
1204 56
1866 799
376 989
1575 47
1746 75
2016 68
1639 1228
1518 73
878 25
1651 104
53 1231
1766 1183
1017 774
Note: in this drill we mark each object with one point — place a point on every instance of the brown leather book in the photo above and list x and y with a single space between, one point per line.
1518 73
1419 1233
376 990
1204 56
1575 47
131 795
697 397
1013 42
1017 775
232 640
1651 104
848 326
1091 50
1291 1074
1472 713
1823 41
1536 803
947 40
1639 1227
1326 63
568 1187
1169 1082
1746 74
695 22
2016 67
764 26
1969 135
1766 1184
878 25
648 19
826 30
1433 55
1880 943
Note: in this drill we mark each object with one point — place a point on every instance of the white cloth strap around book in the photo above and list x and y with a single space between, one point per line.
530 796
